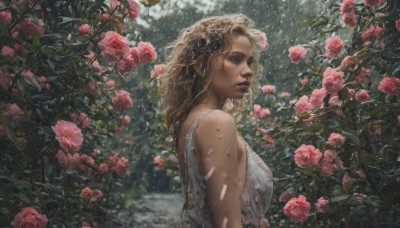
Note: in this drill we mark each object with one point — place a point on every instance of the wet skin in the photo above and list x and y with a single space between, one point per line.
218 147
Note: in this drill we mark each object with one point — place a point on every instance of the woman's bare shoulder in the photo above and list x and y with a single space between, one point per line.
216 126
217 118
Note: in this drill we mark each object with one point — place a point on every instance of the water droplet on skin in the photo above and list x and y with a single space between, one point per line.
220 136
218 128
229 154
225 222
224 175
209 174
210 152
223 191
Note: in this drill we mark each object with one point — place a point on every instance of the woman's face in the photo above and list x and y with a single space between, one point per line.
231 72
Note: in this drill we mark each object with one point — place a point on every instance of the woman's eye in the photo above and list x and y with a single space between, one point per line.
235 59
249 63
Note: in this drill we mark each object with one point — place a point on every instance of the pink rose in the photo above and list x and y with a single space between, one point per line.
91 88
68 160
321 205
284 94
16 92
268 89
84 29
28 27
29 217
118 165
307 155
14 112
122 101
296 53
103 168
5 80
333 47
351 92
297 209
305 81
373 3
330 163
269 140
359 197
317 98
86 163
114 46
111 84
134 10
390 86
347 182
229 105
128 62
157 71
126 120
332 81
96 195
352 61
5 17
285 196
347 7
336 139
114 3
362 76
159 161
363 96
303 105
260 112
398 24
6 51
146 52
333 100
68 135
262 40
86 193
371 34
350 19
82 119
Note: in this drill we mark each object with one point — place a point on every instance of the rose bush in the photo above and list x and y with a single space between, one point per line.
60 108
345 105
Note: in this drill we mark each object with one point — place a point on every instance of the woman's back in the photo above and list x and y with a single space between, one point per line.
253 179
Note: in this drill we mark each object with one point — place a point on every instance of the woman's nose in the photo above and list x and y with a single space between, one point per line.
247 72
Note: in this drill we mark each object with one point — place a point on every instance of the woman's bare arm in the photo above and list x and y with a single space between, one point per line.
217 142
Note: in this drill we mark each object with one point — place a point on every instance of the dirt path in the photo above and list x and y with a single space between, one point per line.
158 210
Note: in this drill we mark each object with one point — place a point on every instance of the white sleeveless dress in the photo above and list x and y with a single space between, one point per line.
254 201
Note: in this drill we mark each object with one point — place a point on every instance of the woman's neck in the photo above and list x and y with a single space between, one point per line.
212 102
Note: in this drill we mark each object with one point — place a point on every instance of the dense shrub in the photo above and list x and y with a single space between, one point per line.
62 64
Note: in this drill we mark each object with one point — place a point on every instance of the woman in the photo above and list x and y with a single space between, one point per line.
225 183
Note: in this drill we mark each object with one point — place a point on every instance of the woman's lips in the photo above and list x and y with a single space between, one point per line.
243 86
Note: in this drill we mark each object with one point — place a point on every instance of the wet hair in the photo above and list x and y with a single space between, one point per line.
183 86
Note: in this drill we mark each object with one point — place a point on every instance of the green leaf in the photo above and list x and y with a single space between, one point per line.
339 198
22 185
3 30
68 19
83 38
11 134
304 115
51 65
36 43
126 4
22 197
352 137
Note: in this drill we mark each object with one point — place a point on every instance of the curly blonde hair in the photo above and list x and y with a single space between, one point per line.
183 86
